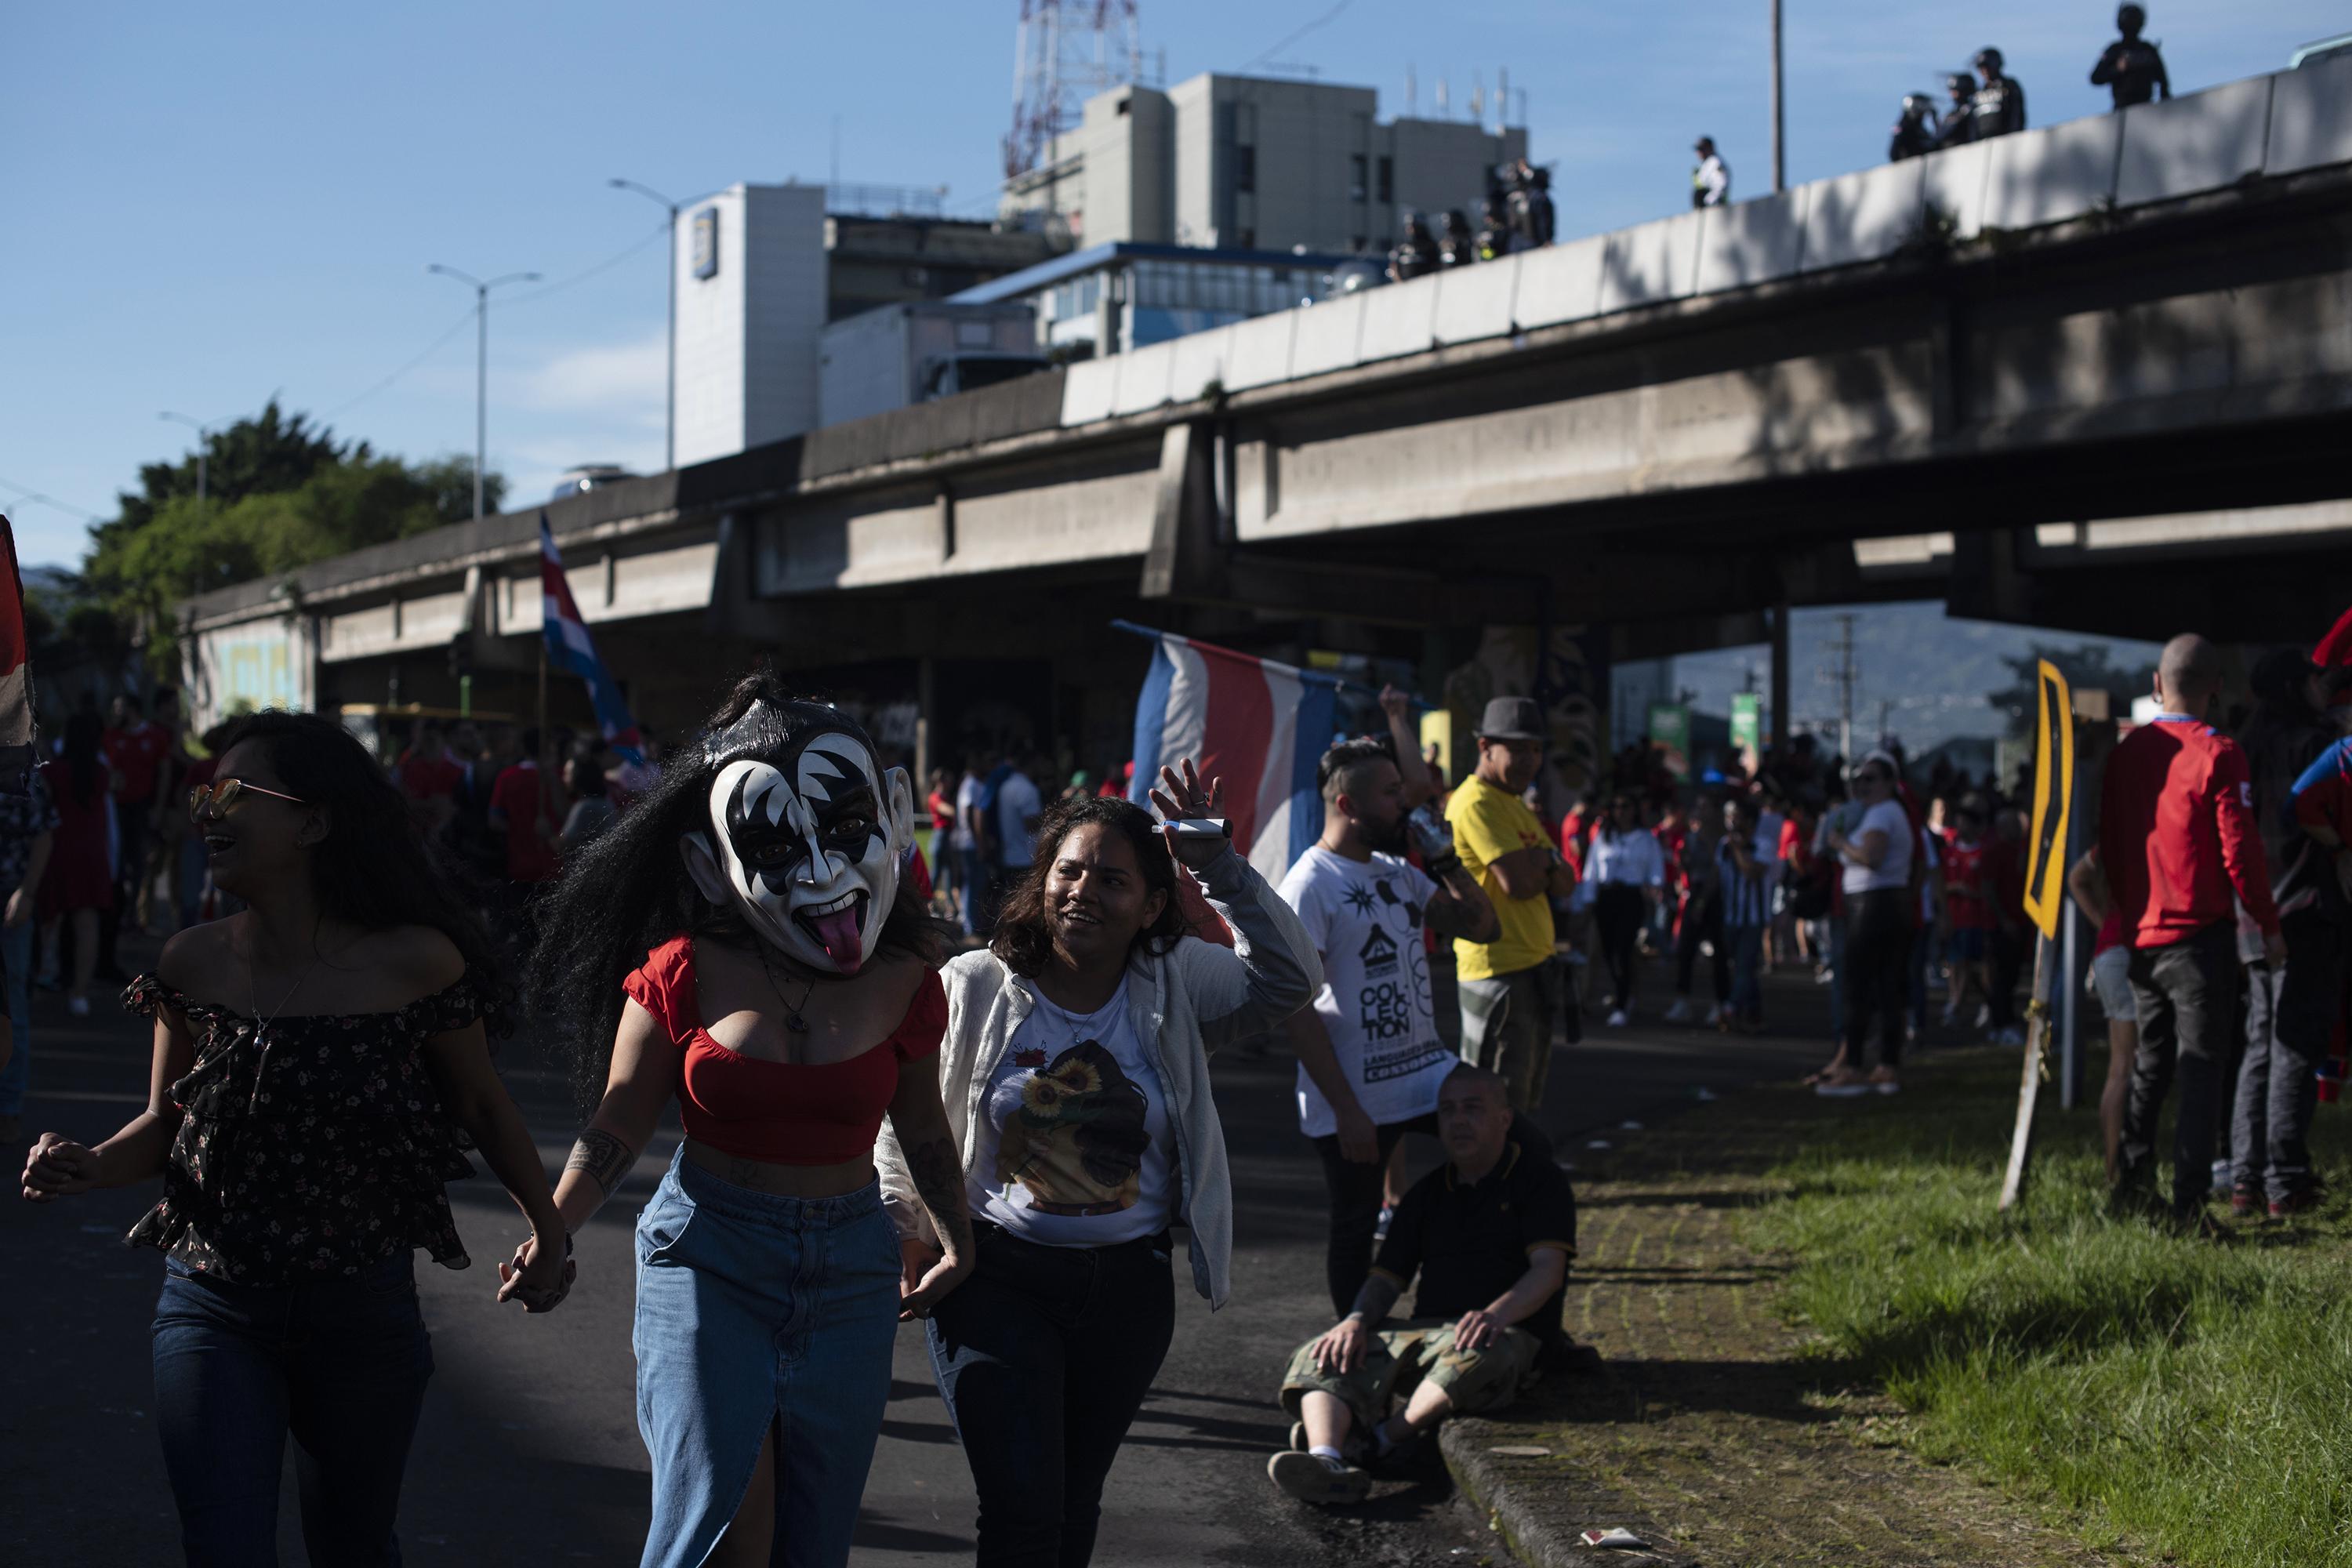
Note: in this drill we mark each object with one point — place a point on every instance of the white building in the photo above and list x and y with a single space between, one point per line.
751 290
1251 163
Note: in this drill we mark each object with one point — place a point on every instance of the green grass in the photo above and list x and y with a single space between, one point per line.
2193 1398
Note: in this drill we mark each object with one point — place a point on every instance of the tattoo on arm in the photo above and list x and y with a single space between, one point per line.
604 1157
939 1181
1379 1293
1449 915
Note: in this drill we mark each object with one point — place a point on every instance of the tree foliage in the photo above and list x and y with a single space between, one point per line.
281 492
2087 667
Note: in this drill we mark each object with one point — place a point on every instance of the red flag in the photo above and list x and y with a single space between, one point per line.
15 672
2336 647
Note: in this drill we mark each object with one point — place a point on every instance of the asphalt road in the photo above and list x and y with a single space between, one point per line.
528 1447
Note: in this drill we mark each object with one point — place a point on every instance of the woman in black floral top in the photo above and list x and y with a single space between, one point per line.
321 1059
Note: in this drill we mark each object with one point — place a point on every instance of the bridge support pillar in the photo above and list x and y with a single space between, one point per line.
1782 731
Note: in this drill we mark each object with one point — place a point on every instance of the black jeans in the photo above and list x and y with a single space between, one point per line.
1878 957
1618 910
339 1366
1703 922
2288 1026
2186 992
1044 1356
2008 953
1355 1190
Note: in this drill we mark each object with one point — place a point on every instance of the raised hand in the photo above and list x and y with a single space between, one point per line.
1182 796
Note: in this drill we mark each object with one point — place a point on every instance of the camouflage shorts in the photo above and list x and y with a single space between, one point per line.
1416 1352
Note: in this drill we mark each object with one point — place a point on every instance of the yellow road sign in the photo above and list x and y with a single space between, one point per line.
2053 794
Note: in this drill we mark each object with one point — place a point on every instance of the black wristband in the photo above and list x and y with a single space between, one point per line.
1443 866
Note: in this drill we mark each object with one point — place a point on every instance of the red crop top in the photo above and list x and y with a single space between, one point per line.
787 1113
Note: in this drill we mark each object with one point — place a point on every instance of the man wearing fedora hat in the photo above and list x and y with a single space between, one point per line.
1510 987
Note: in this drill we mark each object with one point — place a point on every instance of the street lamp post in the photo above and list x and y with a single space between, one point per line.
203 432
481 363
1779 167
669 402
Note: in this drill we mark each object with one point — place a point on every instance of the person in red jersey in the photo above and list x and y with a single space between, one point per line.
522 807
428 775
2182 849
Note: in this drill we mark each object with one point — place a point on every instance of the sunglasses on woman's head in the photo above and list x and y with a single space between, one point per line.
222 794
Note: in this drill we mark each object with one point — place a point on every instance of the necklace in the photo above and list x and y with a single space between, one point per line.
1081 1026
261 1038
792 1019
252 987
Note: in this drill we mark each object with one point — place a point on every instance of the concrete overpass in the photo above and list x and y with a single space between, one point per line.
2095 375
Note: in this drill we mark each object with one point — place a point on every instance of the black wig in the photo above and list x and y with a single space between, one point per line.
628 891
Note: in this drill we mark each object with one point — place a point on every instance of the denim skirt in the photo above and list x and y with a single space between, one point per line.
755 1310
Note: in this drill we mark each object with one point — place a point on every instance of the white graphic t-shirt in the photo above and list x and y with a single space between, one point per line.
1365 919
1075 1147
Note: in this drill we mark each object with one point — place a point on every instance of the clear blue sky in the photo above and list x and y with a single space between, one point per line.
205 206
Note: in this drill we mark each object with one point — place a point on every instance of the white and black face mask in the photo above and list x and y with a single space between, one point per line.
807 837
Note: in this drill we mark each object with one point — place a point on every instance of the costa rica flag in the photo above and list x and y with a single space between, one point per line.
569 647
1259 726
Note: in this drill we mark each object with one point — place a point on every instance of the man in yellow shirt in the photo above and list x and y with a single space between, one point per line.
1511 989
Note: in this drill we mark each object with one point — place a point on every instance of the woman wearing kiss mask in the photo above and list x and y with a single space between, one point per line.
742 940
316 1057
1077 1067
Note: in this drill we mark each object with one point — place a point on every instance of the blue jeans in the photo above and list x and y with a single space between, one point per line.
341 1365
756 1310
1746 956
1044 1356
972 873
16 958
2290 1019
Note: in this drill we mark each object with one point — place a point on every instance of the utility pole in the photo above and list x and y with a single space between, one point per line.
669 400
203 436
481 363
1780 168
1841 675
1784 730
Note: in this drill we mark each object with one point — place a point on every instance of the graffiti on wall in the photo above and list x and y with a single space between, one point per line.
1565 669
240 669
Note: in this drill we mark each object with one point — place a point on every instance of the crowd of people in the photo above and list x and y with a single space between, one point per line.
1885 886
1982 103
1516 213
983 1107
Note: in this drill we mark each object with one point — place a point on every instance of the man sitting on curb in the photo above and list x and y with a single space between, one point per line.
1490 1234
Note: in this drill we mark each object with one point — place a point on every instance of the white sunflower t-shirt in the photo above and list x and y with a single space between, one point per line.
1075 1147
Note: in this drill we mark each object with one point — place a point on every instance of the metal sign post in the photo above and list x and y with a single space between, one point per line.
2045 897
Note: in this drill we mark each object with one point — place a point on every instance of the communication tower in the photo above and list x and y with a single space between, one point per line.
1068 52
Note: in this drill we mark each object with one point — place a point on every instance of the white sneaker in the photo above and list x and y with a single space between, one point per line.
1680 1012
1618 1019
1984 1014
1714 1016
1310 1477
77 1005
